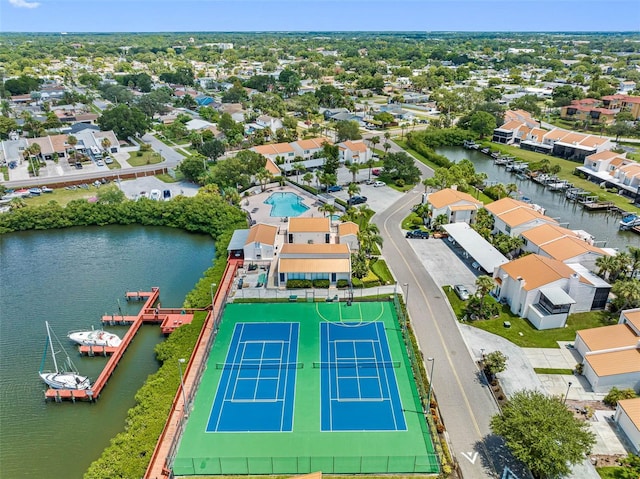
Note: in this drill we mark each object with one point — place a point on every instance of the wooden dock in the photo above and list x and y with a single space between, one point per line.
166 447
168 318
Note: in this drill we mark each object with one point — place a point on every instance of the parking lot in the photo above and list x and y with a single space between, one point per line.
445 266
133 188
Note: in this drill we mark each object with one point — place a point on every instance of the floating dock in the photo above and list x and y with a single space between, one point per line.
168 318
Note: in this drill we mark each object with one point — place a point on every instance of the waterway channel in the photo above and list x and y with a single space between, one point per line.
603 226
71 277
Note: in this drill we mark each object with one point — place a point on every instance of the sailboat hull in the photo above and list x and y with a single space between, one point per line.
65 380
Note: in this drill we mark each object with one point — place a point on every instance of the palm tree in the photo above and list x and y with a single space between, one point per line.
622 265
627 294
511 188
73 141
369 235
319 174
298 166
386 147
352 190
484 284
370 164
605 264
263 176
353 169
106 144
374 140
327 209
635 260
307 178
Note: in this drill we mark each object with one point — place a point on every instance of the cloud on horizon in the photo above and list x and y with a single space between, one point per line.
24 4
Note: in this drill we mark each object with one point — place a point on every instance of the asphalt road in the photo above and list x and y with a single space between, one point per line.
465 401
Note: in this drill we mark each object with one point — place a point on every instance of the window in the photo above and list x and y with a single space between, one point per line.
551 308
507 229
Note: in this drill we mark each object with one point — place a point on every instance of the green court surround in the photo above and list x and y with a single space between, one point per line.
306 448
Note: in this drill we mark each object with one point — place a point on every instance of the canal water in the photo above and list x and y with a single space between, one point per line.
603 226
71 278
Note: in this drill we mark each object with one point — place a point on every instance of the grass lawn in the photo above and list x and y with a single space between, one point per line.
410 222
166 178
114 165
62 196
522 333
566 172
147 158
381 270
552 371
615 472
4 171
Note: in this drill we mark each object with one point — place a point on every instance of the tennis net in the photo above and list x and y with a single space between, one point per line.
240 366
356 364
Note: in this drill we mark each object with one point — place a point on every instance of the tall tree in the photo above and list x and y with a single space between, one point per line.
542 433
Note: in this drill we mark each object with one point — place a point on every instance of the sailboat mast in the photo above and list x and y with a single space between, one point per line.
53 352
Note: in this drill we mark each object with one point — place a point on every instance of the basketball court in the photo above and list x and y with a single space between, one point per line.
295 388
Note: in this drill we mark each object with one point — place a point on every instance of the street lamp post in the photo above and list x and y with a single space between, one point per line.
567 393
406 304
181 361
433 363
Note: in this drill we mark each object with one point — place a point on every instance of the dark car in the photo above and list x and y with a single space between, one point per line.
78 165
334 188
356 200
417 234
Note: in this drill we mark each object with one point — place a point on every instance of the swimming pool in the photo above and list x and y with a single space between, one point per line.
286 204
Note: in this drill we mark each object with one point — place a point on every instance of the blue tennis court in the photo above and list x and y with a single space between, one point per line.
257 387
358 382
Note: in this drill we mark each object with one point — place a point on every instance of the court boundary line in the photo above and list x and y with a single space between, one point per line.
379 327
355 322
292 325
355 359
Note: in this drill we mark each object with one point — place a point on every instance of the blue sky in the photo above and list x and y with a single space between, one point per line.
317 15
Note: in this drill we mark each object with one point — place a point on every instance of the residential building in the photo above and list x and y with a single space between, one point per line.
260 244
611 354
545 291
627 417
314 261
348 234
285 154
456 205
623 103
309 230
613 170
554 241
585 110
308 148
513 217
354 152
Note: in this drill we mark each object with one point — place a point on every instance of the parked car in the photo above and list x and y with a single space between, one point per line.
334 188
108 160
356 200
378 184
78 165
155 195
462 292
166 195
100 163
417 234
369 182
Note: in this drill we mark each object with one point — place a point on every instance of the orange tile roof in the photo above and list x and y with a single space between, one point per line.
275 149
315 249
556 134
569 247
262 233
603 155
505 204
59 143
512 125
522 216
309 225
538 134
572 137
314 265
271 167
618 362
536 270
632 408
449 196
312 143
633 316
592 141
608 337
348 228
542 234
619 161
355 146
46 148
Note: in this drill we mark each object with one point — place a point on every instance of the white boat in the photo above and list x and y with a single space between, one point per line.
60 378
629 221
94 337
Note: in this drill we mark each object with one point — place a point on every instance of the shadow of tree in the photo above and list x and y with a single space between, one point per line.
496 456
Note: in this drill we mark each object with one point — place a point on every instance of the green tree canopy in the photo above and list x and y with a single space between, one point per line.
542 433
348 130
482 123
125 121
401 166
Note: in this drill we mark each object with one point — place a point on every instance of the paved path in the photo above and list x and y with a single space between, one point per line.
464 400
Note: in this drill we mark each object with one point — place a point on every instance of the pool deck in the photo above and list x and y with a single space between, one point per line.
260 212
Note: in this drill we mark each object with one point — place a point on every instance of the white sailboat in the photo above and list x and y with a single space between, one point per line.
95 338
61 379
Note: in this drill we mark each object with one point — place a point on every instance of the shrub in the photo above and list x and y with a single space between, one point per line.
616 395
356 282
299 283
139 153
399 182
320 283
342 283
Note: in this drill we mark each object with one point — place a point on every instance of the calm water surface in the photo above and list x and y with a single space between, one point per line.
70 278
600 224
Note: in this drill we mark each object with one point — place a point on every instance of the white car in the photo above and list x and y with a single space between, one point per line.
155 195
377 184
